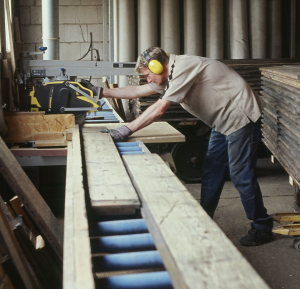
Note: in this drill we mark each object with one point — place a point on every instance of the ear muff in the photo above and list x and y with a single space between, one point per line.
154 65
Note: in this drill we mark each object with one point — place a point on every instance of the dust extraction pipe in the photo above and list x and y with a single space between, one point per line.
193 30
258 28
275 26
116 35
215 29
147 24
50 29
126 41
170 34
239 44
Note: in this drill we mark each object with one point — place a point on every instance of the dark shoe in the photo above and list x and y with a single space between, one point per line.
256 237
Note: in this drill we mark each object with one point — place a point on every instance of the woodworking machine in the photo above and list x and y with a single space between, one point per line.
52 84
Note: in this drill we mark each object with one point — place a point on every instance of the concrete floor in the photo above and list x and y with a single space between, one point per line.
278 262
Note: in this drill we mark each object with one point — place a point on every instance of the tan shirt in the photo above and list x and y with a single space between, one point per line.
211 91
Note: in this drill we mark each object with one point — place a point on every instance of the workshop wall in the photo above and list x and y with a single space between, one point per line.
31 24
77 18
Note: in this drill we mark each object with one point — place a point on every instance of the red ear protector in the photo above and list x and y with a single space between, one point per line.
154 65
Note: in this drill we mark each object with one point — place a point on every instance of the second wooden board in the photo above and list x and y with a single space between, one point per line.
157 132
110 188
195 251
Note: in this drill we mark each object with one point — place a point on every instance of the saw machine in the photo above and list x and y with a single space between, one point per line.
52 85
65 96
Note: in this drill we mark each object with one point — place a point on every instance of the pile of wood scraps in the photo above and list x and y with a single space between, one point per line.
281 116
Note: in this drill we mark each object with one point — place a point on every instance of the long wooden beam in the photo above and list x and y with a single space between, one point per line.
77 266
196 253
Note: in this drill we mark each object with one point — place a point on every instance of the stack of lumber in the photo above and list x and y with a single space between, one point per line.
249 69
281 129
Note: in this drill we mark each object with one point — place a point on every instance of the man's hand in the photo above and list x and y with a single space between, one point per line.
119 134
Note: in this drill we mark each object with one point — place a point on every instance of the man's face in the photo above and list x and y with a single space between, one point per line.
158 79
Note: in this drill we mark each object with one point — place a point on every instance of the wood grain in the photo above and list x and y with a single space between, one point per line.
195 251
23 127
77 267
110 188
157 132
287 71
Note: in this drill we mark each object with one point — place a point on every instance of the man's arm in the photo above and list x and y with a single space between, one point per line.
128 92
152 113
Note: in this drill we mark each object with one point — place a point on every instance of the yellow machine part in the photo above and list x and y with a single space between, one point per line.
34 100
284 218
288 230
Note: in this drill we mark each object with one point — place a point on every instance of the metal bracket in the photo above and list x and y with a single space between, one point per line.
63 109
67 83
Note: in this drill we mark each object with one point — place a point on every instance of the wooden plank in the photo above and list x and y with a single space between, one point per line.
23 127
77 270
50 139
196 253
273 159
269 145
110 188
19 113
285 80
15 251
286 86
157 132
17 206
69 258
284 71
34 204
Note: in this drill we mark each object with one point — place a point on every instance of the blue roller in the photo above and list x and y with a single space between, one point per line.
122 227
129 149
126 243
127 144
152 280
127 261
132 153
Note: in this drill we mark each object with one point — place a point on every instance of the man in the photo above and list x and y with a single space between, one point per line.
222 99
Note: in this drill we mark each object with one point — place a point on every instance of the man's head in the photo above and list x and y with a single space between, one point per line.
153 63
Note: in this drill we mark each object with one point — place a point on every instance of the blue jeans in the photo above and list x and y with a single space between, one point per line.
236 153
